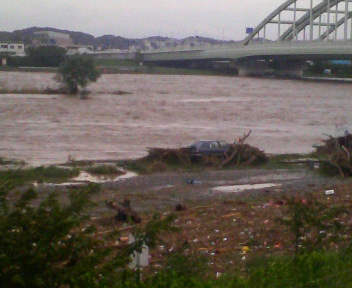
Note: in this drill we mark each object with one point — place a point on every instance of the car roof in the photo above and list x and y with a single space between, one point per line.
199 142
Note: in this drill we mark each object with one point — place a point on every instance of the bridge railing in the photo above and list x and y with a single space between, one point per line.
183 48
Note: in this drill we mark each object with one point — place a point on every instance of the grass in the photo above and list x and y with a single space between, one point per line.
48 90
40 174
117 62
142 166
124 66
132 65
316 270
146 166
180 71
5 161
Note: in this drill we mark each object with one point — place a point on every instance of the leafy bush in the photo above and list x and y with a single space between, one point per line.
48 245
54 245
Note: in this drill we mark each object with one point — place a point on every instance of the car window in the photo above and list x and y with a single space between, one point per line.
214 145
205 145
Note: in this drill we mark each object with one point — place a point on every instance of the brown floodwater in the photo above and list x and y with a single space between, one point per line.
285 116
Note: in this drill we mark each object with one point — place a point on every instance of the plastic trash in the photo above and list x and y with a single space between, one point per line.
329 192
245 249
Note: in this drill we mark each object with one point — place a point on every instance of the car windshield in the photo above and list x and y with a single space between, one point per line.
214 145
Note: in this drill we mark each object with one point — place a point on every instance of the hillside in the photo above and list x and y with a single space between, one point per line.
105 41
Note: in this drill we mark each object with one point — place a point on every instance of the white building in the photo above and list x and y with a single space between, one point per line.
12 48
79 49
52 38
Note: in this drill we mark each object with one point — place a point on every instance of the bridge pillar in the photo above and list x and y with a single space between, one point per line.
249 67
289 68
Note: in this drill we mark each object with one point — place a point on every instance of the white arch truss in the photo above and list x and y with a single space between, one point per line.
322 18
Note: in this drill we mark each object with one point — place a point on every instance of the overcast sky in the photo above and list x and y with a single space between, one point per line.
139 18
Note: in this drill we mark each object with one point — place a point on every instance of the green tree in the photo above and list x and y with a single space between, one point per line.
46 56
75 71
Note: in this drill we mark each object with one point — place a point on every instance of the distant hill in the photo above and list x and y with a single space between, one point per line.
26 35
105 41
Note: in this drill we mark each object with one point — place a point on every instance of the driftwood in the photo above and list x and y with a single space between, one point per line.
337 153
241 153
124 211
235 149
245 136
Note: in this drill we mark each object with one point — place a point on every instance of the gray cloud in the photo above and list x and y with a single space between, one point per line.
139 18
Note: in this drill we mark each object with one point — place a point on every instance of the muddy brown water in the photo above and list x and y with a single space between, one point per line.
285 116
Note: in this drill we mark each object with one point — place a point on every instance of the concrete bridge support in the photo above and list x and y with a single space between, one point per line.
250 67
279 68
289 68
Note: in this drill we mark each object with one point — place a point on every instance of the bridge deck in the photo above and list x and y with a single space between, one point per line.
290 50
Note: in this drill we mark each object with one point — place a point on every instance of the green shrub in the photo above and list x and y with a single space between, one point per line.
48 245
54 245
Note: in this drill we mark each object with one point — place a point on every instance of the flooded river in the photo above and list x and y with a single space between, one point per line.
285 116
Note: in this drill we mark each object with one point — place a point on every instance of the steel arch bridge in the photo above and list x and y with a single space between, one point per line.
306 30
307 20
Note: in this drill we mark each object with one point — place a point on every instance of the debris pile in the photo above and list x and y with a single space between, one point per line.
239 153
336 153
244 154
331 144
169 156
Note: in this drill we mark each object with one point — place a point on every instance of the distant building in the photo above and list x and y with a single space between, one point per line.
52 38
11 48
79 49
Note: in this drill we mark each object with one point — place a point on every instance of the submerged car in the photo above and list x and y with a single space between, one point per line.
208 147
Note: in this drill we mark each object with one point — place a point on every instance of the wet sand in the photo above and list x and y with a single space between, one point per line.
286 116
